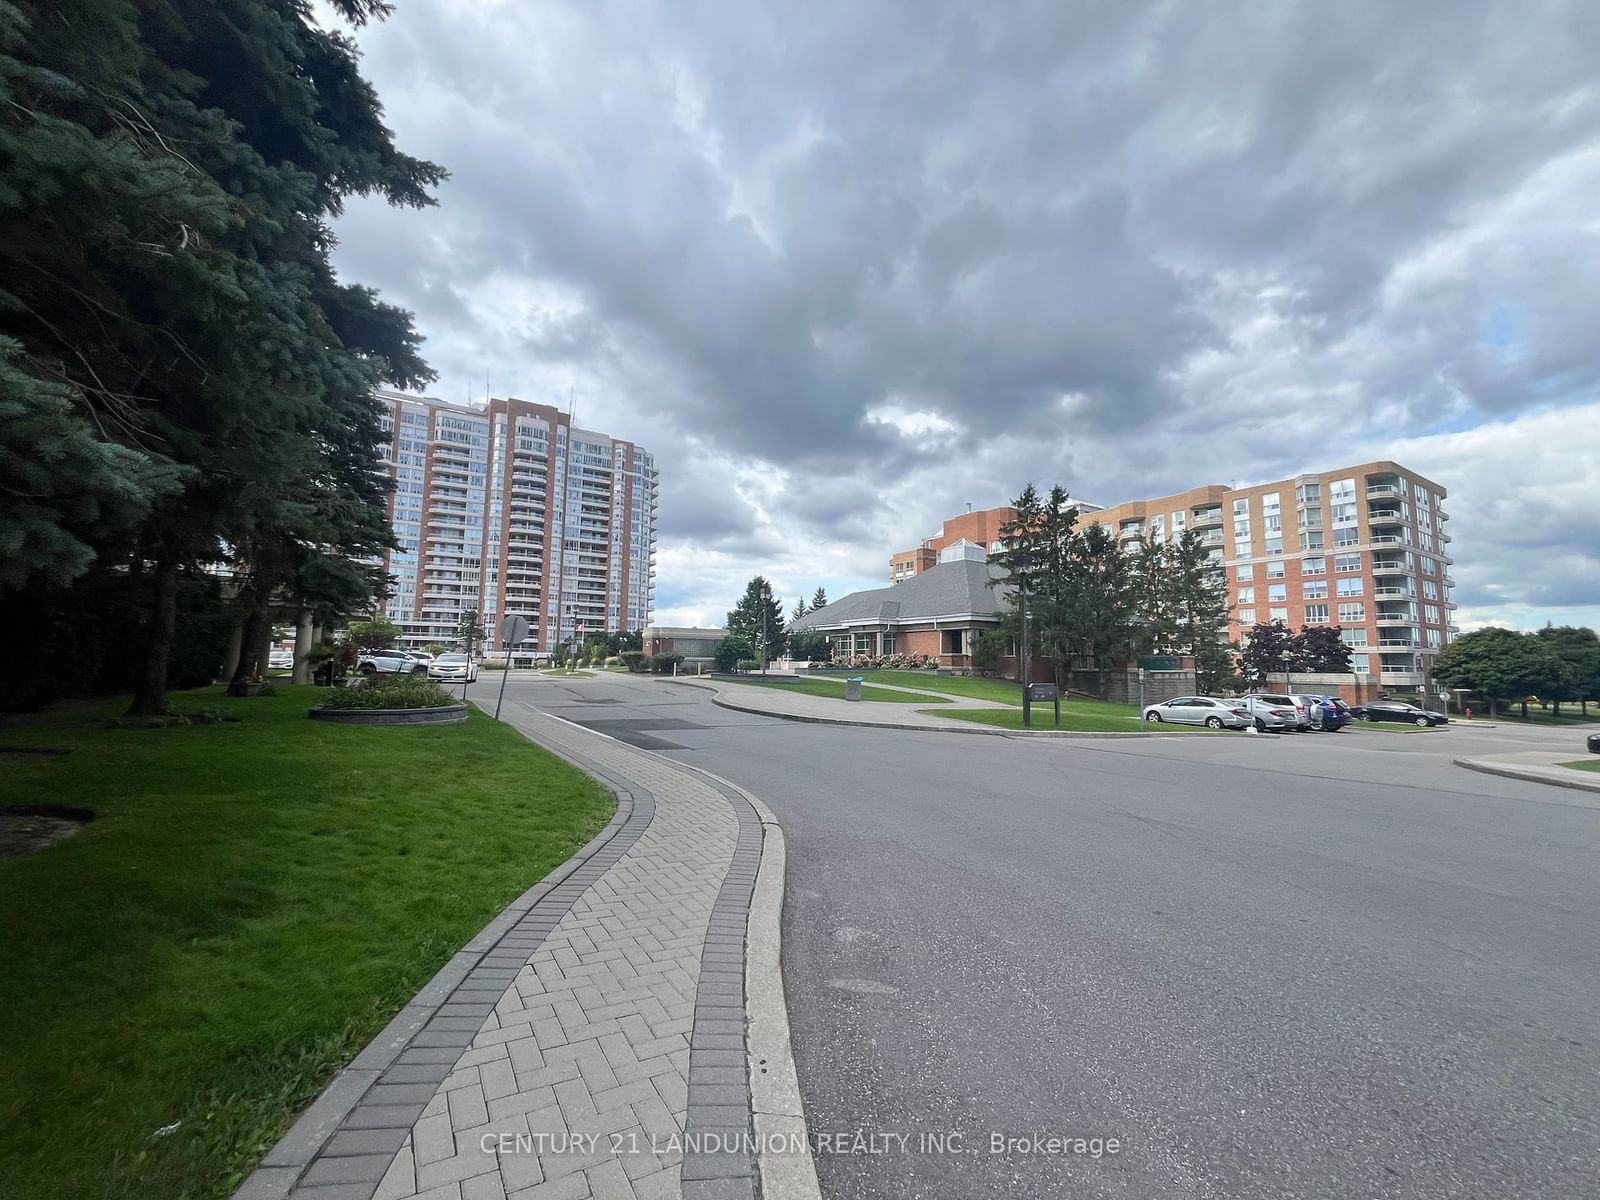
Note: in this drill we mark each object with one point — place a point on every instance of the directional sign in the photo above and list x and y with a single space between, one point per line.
1043 691
513 629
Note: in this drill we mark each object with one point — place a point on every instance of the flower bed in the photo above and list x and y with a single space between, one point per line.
397 700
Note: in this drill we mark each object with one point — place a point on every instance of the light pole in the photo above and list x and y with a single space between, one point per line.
765 602
1022 600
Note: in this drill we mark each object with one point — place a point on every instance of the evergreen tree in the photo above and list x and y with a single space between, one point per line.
819 599
800 609
758 618
171 168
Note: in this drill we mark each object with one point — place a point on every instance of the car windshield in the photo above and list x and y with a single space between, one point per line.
451 658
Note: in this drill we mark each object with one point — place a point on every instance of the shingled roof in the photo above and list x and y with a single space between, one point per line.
947 591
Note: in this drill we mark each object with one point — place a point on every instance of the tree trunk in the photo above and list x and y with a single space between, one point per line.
250 638
302 646
150 692
230 663
1524 710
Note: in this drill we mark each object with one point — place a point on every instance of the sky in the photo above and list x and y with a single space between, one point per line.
845 268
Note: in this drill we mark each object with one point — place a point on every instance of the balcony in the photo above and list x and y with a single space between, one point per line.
1398 644
1448 580
1386 567
1392 593
1387 539
1410 677
1212 537
1445 537
1384 516
1206 518
1384 618
1384 491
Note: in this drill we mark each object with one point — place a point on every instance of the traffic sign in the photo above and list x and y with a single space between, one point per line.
513 629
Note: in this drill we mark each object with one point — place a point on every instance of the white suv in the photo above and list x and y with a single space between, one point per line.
1272 712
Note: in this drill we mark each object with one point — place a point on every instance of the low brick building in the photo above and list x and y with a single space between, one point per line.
698 646
938 612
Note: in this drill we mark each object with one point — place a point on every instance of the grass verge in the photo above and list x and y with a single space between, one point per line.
1542 717
252 904
976 687
1081 716
1583 764
833 689
1393 727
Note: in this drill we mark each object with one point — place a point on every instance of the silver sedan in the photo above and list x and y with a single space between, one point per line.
453 668
1199 710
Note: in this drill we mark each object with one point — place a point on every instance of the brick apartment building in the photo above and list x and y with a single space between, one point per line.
1362 547
481 494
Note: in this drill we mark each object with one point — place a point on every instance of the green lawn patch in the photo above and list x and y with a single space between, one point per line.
1583 764
1083 716
833 689
976 687
1538 716
252 904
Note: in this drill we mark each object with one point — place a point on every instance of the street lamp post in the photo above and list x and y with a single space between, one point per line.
1027 708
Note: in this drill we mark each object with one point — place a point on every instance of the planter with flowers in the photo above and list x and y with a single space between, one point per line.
246 685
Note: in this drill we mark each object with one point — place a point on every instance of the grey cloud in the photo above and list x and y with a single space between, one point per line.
1133 247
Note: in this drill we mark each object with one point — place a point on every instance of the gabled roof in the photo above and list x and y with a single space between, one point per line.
953 590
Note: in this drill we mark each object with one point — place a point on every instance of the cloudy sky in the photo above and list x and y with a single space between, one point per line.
845 267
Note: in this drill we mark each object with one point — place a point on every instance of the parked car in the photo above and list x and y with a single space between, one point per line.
388 662
1329 713
454 668
1271 712
421 656
1276 700
1593 742
1199 710
1398 710
280 660
1309 709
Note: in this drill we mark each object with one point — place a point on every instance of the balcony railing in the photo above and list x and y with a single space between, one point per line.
1387 539
1384 516
1393 593
1380 491
1393 619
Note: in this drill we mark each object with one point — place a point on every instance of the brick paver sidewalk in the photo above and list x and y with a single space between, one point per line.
583 1043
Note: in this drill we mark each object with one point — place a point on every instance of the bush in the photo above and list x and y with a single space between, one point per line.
634 660
395 692
613 661
748 664
662 664
215 714
731 650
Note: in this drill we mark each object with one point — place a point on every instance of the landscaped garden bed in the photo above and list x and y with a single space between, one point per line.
391 700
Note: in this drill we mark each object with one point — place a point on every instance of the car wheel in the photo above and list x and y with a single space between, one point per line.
368 669
1153 716
1423 722
1213 722
1363 716
1261 726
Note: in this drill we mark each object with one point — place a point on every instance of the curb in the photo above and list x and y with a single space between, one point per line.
716 698
283 1167
1508 771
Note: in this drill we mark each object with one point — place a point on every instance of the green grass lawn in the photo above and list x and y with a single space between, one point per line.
1084 716
1538 716
1584 764
977 687
577 672
253 903
833 689
1393 727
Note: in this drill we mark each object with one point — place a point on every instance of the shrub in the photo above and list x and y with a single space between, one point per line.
395 692
748 664
613 661
662 664
731 649
634 660
216 714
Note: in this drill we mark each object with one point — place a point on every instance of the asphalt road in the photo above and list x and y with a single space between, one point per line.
1281 966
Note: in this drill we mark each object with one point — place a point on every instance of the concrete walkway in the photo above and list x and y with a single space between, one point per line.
1541 766
593 1041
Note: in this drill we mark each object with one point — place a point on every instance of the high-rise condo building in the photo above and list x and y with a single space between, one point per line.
507 508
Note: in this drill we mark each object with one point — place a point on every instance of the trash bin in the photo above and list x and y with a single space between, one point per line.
852 688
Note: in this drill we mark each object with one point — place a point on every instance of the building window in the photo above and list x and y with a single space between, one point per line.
1353 637
1430 590
1427 566
1245 572
1316 614
1275 570
1347 562
1358 664
1279 616
1308 493
1245 616
1247 595
1275 544
1277 591
1313 566
1347 537
1351 587
1435 639
1430 614
1315 590
1311 539
1352 612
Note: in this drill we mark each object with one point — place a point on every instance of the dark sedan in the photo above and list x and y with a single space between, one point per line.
1396 710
